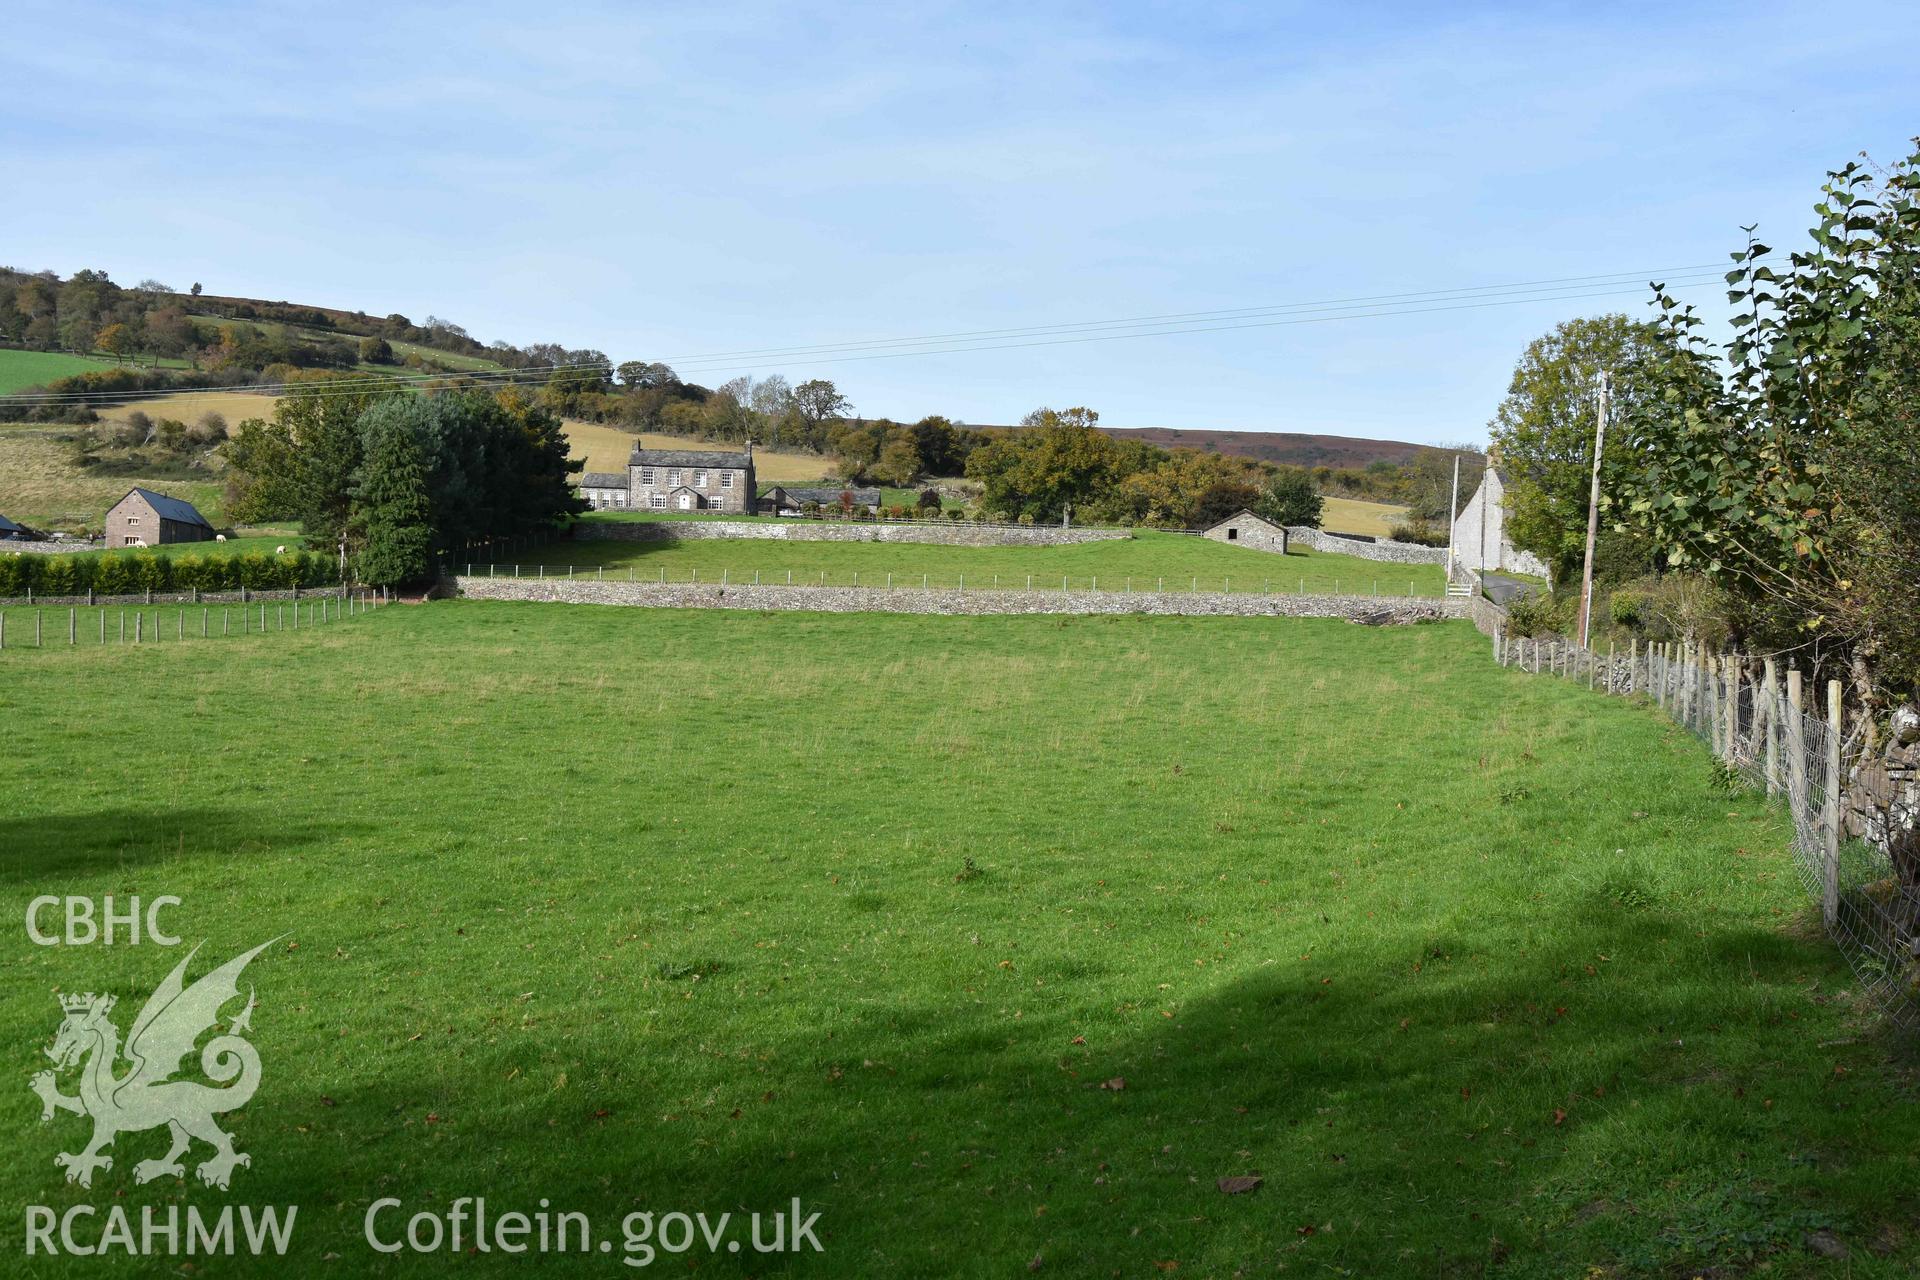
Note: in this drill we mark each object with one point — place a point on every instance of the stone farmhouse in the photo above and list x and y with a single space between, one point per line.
147 519
1480 532
675 480
1249 530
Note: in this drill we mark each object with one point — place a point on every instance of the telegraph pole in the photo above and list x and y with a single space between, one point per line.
1593 509
1453 514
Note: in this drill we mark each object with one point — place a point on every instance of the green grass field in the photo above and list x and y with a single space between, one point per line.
22 369
234 546
1151 560
705 911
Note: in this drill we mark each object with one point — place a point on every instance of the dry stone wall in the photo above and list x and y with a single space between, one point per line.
1391 552
1379 610
955 535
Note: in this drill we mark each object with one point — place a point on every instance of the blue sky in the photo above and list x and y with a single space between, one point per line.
663 181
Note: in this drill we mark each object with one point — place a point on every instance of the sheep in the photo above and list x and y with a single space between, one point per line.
280 550
219 537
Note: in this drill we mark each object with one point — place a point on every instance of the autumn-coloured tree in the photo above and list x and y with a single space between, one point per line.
113 340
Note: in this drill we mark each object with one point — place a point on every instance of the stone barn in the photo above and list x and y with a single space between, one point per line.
1246 529
147 519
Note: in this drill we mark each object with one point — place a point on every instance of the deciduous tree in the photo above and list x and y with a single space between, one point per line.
1543 429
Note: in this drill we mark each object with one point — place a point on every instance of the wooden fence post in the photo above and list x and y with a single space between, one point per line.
1690 683
1733 706
1771 700
1722 677
1830 829
1796 741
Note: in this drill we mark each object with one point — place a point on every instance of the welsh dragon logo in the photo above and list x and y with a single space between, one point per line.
144 1096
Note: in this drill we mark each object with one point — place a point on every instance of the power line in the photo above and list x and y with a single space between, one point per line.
1476 297
1262 324
1612 277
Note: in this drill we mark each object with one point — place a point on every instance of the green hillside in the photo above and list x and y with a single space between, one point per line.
21 369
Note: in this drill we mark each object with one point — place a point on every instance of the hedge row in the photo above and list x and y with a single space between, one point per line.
122 573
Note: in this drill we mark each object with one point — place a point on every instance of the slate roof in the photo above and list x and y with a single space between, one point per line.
1244 513
176 509
603 480
861 497
7 526
688 458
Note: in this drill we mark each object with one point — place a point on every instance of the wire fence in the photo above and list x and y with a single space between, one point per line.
1856 825
40 627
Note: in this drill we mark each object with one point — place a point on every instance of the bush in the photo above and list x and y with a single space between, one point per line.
1420 531
1537 613
113 574
190 573
58 576
1673 606
151 572
15 574
1627 606
256 571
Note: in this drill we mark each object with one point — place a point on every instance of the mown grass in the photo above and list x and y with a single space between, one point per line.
22 369
1351 515
706 911
1149 561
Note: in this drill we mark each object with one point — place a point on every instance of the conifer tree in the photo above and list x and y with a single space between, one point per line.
392 511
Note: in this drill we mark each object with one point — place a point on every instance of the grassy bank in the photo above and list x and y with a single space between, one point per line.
988 939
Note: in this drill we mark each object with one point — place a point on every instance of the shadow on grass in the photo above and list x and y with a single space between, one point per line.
35 850
1628 1095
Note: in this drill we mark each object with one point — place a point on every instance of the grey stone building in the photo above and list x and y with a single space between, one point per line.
1480 532
605 490
147 519
675 480
781 499
1249 530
